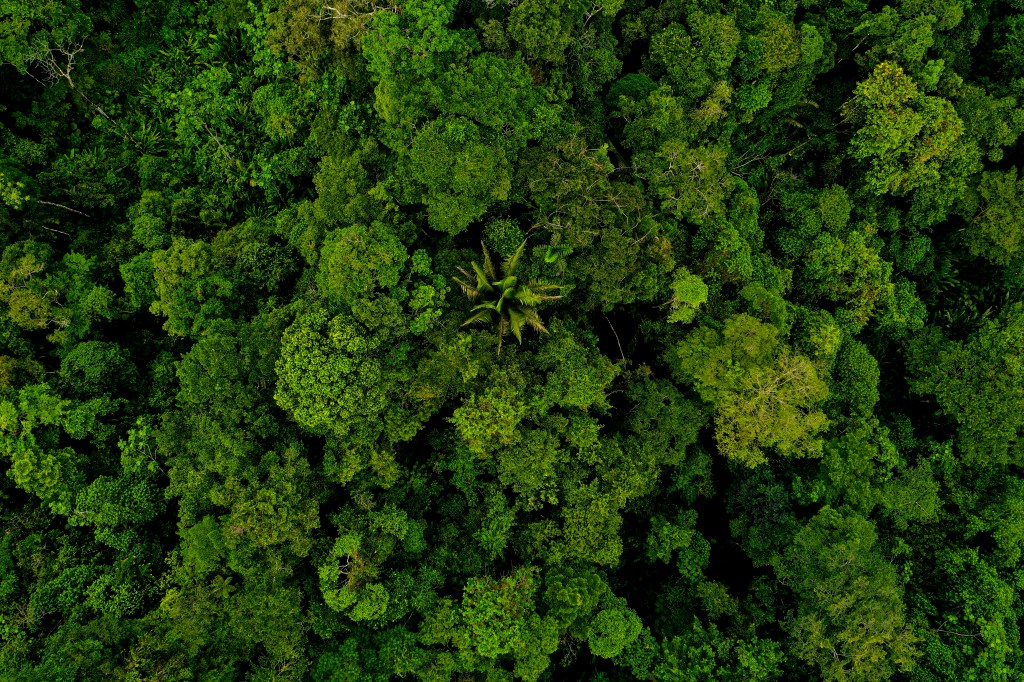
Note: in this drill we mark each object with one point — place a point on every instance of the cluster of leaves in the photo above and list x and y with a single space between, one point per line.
763 264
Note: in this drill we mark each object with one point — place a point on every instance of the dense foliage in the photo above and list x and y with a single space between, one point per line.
733 388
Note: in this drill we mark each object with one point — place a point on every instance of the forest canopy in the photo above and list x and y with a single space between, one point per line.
501 340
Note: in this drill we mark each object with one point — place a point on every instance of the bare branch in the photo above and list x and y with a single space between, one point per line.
57 63
66 208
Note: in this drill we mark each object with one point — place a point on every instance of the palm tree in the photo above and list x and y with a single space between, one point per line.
504 300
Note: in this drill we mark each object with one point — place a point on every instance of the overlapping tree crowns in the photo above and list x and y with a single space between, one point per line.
505 301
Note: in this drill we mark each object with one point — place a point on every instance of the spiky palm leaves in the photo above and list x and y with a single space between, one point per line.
505 302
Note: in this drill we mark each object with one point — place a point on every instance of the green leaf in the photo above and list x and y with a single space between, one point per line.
512 262
517 319
482 281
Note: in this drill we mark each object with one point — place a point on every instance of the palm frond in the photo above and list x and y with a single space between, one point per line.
489 264
482 281
533 319
477 316
512 262
530 294
517 319
527 297
538 286
469 290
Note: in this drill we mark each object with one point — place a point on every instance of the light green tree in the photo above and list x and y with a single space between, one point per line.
904 134
764 395
850 615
